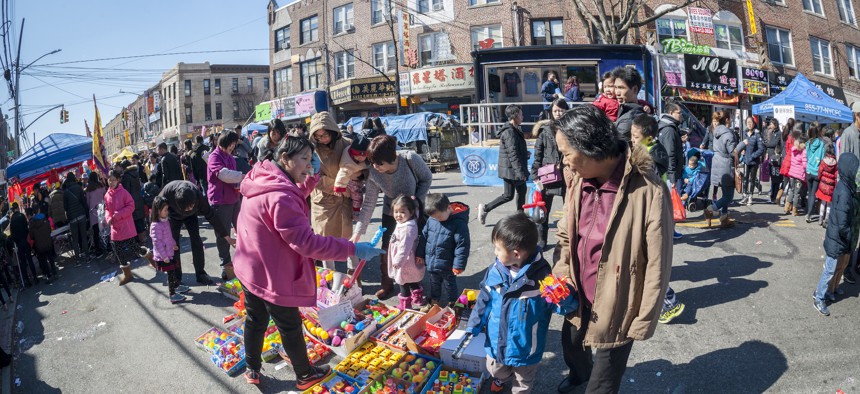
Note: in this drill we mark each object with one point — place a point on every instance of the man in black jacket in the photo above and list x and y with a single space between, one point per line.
628 82
18 232
513 163
169 169
131 183
77 211
186 201
198 164
669 135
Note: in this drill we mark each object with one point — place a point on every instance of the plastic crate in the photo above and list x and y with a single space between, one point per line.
404 378
231 350
212 340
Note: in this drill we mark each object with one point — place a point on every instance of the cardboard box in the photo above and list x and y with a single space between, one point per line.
421 387
441 324
418 329
473 359
332 316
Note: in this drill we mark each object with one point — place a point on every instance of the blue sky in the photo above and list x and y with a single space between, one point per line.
91 29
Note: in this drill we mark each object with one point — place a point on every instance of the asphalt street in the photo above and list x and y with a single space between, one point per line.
749 324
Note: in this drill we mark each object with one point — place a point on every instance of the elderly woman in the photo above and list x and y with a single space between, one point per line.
331 212
274 253
223 178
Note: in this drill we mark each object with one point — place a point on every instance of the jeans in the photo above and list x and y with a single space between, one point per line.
193 226
812 182
80 243
722 204
436 281
289 323
605 371
228 214
826 276
750 178
670 301
510 187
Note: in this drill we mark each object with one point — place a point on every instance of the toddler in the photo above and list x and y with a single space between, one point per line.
353 172
510 307
607 102
797 173
163 248
826 182
694 167
402 265
448 243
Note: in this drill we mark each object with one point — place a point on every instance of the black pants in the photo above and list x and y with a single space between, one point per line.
228 214
97 239
775 186
80 243
193 226
289 323
812 186
544 227
508 195
47 264
605 372
750 178
406 288
437 280
25 261
172 281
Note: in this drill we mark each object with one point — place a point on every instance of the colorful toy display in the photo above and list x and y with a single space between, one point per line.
334 385
554 289
213 339
368 362
380 312
230 357
231 288
410 375
335 336
316 351
453 382
441 324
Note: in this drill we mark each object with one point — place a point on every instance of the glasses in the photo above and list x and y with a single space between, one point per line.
318 136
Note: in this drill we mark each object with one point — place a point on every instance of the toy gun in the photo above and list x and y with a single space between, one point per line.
554 289
347 283
458 352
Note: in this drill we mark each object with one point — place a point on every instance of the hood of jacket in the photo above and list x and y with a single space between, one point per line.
542 126
459 211
721 131
848 166
668 120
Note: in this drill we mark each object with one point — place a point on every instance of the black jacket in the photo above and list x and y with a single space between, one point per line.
754 149
202 207
18 227
773 144
660 157
670 137
198 165
448 242
74 200
546 153
708 141
626 114
169 169
837 237
513 154
131 183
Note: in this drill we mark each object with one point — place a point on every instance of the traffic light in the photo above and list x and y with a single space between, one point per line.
65 116
62 116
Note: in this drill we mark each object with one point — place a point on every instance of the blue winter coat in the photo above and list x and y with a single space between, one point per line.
814 154
514 314
547 93
448 242
754 149
837 237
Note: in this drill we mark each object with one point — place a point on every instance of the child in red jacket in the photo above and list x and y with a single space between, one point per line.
827 182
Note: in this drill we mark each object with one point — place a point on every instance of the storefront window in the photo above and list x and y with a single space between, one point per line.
671 28
729 37
481 33
779 46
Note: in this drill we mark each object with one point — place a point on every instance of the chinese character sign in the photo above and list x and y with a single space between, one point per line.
440 79
783 112
755 82
701 20
674 70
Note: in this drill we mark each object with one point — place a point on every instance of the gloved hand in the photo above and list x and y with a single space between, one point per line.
315 163
366 251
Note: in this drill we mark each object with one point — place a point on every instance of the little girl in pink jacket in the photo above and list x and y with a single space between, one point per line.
797 173
402 266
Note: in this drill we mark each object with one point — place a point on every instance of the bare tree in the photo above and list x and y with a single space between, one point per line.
613 24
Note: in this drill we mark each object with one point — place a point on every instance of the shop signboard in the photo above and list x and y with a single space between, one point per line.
708 96
701 20
362 89
304 104
833 91
711 73
405 86
681 45
673 69
442 79
782 113
755 82
778 82
263 112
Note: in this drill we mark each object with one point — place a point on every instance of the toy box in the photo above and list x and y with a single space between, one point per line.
381 313
230 357
330 289
394 333
418 339
339 328
231 289
441 324
368 363
213 339
237 328
333 384
473 357
447 380
317 351
411 375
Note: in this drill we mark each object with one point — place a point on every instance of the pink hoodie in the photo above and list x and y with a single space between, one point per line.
118 209
798 163
275 245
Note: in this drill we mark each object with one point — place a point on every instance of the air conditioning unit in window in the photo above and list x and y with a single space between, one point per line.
437 7
351 29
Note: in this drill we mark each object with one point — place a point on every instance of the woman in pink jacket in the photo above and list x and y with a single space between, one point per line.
797 172
275 250
118 209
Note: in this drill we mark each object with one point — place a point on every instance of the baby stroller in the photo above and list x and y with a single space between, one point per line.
697 199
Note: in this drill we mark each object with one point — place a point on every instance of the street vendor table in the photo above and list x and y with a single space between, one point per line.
62 240
479 164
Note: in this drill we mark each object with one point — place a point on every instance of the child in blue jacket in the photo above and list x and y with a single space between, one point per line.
510 307
448 243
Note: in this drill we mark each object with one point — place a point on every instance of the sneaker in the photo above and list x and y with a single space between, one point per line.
252 376
677 235
671 314
482 214
317 375
182 289
497 386
829 297
567 385
177 298
204 279
821 307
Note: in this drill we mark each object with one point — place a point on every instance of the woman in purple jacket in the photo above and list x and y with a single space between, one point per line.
223 193
275 250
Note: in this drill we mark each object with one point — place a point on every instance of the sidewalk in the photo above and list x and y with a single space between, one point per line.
7 335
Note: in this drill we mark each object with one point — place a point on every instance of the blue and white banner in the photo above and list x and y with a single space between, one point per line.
480 165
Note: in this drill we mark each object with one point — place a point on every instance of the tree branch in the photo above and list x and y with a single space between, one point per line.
660 14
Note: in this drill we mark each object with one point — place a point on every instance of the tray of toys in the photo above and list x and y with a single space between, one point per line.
237 328
411 375
381 313
334 384
394 333
448 380
231 289
441 324
271 342
317 351
464 304
213 339
368 362
340 328
230 357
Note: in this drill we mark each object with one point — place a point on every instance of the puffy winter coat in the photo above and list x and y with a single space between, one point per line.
626 114
660 157
401 254
670 137
40 233
754 149
331 212
609 106
826 179
162 240
58 208
514 315
131 182
119 207
94 198
785 168
276 247
513 154
814 154
722 165
546 153
74 200
169 169
448 242
198 163
838 236
798 163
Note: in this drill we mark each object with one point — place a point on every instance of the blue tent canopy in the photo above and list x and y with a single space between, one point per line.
54 151
810 103
406 128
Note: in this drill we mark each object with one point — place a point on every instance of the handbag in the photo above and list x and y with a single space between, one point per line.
549 174
679 213
739 182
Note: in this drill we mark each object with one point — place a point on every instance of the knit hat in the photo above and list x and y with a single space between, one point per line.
360 143
323 121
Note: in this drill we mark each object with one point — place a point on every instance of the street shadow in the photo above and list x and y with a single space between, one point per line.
25 362
751 367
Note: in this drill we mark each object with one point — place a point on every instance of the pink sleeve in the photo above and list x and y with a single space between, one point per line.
293 227
310 183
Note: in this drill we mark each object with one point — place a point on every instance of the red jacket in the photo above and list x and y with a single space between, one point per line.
609 106
786 161
826 178
118 209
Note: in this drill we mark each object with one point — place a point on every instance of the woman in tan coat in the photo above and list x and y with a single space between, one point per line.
331 212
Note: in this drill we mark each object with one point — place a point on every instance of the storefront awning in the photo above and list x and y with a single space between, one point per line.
362 89
706 96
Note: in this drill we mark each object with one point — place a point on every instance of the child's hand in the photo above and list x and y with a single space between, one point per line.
457 272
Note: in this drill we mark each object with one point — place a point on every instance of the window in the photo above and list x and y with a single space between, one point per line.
175 117
188 118
217 85
729 37
282 39
343 19
283 82
548 32
174 90
482 33
482 2
846 12
235 85
310 72
309 30
821 60
266 84
595 32
207 111
344 65
426 6
853 55
813 6
434 47
235 109
187 88
671 28
779 46
250 84
378 10
218 111
383 56
206 90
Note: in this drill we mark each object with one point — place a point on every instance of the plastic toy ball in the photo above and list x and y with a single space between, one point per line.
471 296
359 326
324 335
336 341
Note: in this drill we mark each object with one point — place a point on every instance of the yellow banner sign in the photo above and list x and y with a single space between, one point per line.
751 12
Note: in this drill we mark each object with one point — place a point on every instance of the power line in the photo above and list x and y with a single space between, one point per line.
158 54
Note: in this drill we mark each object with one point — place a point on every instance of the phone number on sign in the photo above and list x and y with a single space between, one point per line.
823 110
